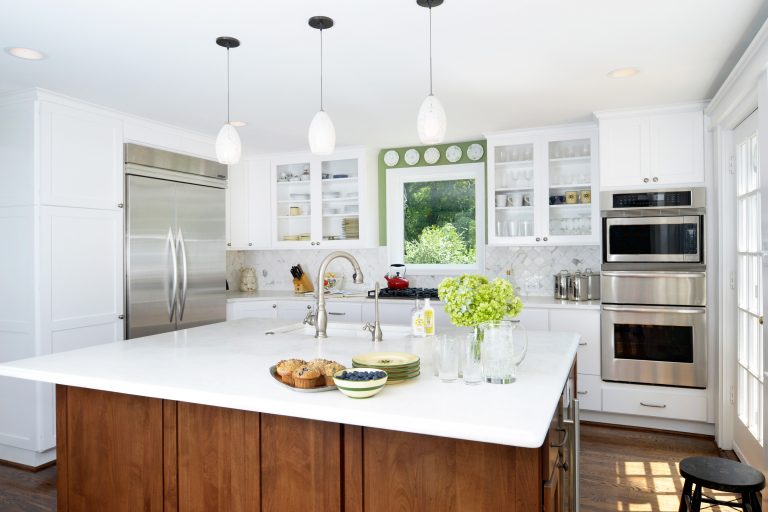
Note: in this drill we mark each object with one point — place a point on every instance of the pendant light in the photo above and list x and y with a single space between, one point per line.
431 122
228 146
322 134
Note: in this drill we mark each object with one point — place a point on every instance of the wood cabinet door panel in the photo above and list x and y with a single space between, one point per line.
218 458
300 465
113 451
416 472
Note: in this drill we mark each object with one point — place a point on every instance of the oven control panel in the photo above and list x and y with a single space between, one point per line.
678 198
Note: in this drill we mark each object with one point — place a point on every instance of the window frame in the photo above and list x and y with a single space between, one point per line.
396 180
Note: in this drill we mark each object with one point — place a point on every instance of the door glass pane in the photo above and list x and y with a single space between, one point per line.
293 202
439 222
341 204
671 343
513 194
570 187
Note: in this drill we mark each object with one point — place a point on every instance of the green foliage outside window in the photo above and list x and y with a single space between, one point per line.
440 225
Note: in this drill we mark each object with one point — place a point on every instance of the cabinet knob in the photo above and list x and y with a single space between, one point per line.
120 205
538 239
121 317
274 306
229 244
250 244
318 243
655 179
313 243
545 239
645 180
309 306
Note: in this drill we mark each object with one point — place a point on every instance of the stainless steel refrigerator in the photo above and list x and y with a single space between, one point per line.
175 250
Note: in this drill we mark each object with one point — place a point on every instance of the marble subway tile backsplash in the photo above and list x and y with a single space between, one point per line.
532 267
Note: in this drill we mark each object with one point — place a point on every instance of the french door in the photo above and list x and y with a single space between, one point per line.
748 424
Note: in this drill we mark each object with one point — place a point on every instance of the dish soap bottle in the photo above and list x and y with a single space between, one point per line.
417 321
429 319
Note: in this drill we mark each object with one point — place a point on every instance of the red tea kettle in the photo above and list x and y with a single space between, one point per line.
395 281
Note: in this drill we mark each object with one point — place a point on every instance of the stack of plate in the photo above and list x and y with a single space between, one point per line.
351 227
398 365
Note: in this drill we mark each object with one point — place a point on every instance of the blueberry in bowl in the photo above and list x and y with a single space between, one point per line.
360 382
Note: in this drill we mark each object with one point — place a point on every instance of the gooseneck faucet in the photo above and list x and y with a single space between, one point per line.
321 322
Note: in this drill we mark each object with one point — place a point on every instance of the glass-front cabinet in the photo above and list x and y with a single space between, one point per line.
323 201
541 186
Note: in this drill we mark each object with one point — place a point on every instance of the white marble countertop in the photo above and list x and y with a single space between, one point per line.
226 365
532 302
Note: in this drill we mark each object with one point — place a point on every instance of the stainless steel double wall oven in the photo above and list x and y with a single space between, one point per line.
654 292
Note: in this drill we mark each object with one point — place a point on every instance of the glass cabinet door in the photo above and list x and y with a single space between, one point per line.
340 200
294 202
570 187
513 193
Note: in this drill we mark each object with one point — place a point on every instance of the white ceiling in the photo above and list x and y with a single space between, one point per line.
498 64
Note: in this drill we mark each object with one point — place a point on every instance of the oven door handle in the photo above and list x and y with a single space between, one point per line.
660 309
652 275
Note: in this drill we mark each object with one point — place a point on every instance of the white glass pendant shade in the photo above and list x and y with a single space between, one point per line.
322 134
431 121
228 146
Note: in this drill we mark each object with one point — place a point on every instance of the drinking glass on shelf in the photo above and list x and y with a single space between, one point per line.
525 228
501 228
557 153
511 228
501 155
584 149
449 358
528 175
515 155
529 153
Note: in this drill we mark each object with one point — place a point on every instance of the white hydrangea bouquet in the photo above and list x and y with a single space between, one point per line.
471 299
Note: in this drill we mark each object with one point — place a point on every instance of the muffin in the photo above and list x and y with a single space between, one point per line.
329 370
286 367
305 377
319 365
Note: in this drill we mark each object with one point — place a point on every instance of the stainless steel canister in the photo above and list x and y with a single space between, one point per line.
593 284
561 284
577 286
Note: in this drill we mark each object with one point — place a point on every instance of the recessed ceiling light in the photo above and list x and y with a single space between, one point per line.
25 53
238 124
623 72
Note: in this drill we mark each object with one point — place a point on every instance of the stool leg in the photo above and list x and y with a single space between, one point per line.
696 501
686 493
755 502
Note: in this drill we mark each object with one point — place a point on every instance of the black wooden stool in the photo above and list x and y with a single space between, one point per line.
721 475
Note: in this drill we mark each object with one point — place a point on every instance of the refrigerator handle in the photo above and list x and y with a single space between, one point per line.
183 252
174 279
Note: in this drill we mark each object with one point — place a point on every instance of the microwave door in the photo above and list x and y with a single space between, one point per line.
693 239
650 239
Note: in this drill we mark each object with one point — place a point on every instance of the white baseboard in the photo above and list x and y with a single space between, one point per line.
26 457
691 427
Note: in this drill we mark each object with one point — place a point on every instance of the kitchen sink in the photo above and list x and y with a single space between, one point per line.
342 330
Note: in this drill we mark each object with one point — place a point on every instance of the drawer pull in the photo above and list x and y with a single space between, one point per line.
564 440
657 406
335 313
582 392
582 343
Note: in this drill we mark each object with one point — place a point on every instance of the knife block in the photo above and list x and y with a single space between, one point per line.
303 285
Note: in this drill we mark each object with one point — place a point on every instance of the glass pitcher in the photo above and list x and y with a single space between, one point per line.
503 348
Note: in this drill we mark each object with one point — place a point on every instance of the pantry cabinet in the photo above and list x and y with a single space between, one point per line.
248 205
543 186
652 148
324 202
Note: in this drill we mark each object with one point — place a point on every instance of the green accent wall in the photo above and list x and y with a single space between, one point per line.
421 163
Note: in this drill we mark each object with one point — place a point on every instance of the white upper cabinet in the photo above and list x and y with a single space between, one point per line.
652 148
328 202
80 158
542 186
248 205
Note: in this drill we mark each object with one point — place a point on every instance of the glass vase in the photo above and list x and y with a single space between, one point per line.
503 346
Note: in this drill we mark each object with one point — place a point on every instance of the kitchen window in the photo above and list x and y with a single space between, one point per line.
436 218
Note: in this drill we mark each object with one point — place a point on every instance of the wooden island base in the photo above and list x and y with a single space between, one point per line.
120 452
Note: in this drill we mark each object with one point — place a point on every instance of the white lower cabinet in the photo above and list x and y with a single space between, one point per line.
587 324
670 403
534 319
251 309
590 392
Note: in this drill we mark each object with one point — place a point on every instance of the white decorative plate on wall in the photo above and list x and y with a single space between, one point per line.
391 157
475 152
412 156
453 154
431 155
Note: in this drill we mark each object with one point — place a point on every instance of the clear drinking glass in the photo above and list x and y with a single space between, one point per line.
504 345
473 364
449 358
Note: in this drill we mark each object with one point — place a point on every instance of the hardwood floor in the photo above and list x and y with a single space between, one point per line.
24 491
622 470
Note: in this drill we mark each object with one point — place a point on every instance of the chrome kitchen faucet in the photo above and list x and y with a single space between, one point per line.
321 322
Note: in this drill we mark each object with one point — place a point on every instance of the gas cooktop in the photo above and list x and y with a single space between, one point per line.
405 293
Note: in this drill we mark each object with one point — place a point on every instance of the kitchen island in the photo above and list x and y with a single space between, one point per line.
192 420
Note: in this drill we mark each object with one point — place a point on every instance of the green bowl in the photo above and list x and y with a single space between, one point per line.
360 389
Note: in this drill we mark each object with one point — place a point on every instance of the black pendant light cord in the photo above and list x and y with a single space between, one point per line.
321 69
430 48
227 84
